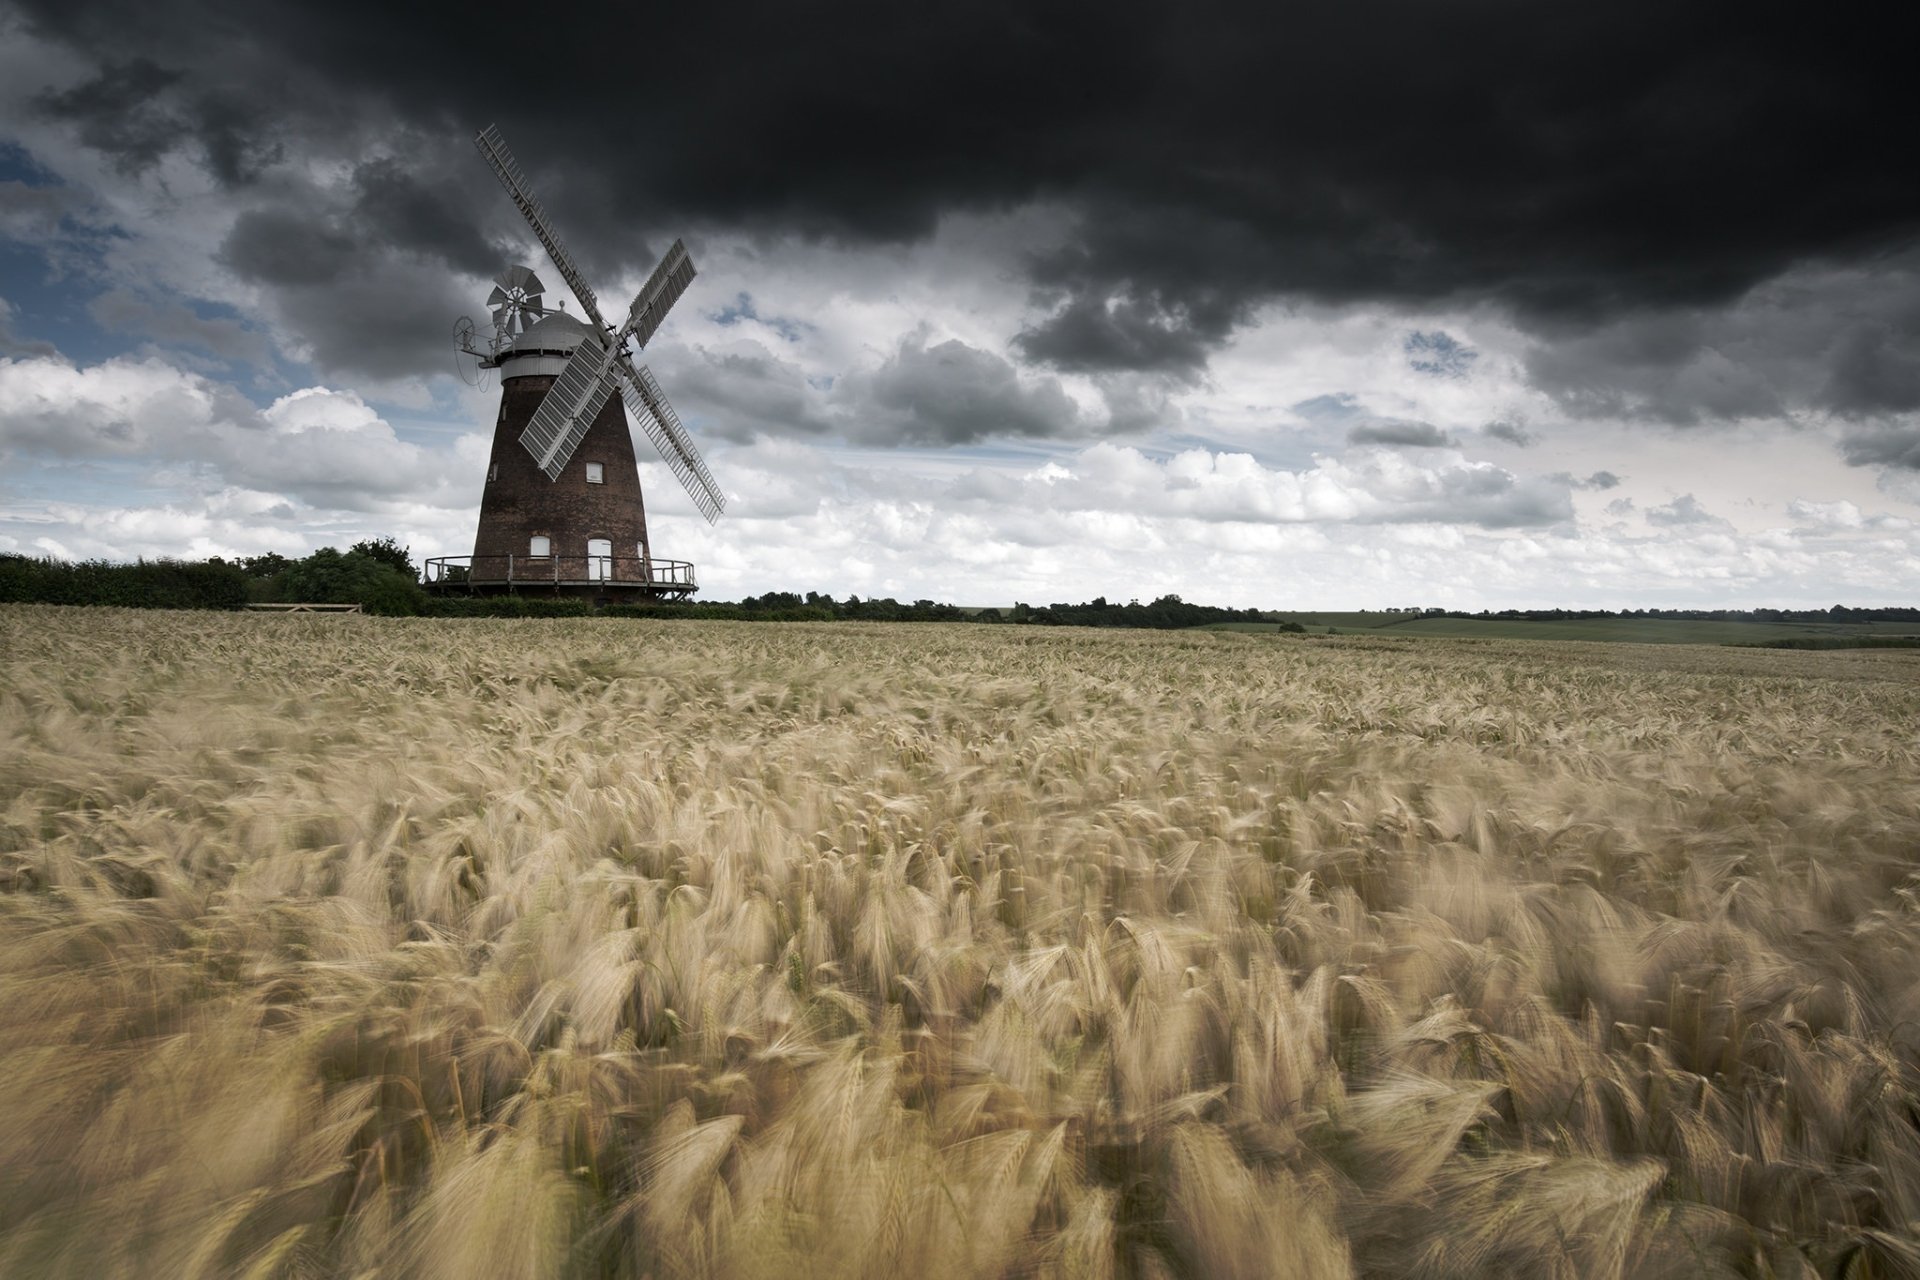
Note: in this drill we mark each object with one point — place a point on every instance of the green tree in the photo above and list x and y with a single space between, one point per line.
331 577
387 550
265 566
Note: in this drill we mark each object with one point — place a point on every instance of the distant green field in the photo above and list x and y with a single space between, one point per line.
1628 630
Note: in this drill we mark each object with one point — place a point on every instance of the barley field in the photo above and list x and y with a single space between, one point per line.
393 948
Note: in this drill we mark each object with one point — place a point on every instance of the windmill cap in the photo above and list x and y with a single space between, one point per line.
555 334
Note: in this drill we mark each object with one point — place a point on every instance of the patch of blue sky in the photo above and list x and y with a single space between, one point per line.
1285 439
742 308
18 165
1339 406
46 308
54 280
1287 450
429 428
1439 354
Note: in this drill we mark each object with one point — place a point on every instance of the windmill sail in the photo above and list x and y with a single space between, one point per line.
648 406
569 407
663 288
494 148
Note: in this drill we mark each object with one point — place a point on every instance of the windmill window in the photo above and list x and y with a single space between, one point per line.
540 545
596 473
493 472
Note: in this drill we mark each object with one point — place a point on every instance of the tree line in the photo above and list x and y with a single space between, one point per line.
379 575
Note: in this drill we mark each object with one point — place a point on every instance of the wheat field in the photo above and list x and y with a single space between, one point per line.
389 948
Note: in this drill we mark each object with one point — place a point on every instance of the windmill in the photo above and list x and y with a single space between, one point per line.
562 508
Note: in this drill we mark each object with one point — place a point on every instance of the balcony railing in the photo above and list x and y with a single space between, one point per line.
648 574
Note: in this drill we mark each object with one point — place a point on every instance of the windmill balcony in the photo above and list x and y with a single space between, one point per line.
610 576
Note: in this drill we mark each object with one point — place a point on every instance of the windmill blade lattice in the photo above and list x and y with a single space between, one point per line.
648 407
494 148
662 289
569 408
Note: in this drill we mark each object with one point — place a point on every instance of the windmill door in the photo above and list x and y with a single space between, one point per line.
599 559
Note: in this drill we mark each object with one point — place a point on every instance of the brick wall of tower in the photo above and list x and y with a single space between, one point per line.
519 502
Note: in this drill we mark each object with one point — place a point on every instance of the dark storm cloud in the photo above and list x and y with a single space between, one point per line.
365 283
288 247
1876 365
1886 444
1661 366
395 208
1408 435
392 212
1568 164
137 111
1091 333
923 393
390 321
951 393
741 392
1839 339
1138 403
119 112
233 139
1566 157
359 308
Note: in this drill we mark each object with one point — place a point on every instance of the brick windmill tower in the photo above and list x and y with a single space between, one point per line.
562 511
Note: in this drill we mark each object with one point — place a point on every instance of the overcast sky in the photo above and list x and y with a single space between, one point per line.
1461 304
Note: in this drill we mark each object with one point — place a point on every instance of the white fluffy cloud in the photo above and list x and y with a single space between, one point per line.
136 457
315 444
